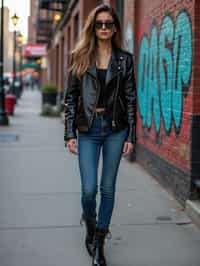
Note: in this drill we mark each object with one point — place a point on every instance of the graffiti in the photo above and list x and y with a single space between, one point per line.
164 72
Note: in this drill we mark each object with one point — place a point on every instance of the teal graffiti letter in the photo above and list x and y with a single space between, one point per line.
153 98
166 70
143 79
182 63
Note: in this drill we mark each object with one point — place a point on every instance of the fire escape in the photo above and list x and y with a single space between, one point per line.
46 22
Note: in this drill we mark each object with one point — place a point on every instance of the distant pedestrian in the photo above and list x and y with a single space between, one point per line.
100 115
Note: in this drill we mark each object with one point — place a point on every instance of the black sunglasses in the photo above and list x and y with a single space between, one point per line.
108 24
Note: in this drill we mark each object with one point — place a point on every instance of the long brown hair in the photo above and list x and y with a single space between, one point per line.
84 52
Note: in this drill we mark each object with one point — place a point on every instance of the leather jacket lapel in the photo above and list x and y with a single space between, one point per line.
112 67
92 70
112 70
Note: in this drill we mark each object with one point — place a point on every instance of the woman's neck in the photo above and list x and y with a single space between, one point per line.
104 48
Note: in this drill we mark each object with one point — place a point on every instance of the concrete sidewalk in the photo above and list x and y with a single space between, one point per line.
40 204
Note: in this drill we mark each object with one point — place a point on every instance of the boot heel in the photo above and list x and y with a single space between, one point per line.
90 231
98 255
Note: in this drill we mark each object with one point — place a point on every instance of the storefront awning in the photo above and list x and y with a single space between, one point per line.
30 65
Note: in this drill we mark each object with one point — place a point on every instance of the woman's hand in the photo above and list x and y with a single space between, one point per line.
128 148
72 146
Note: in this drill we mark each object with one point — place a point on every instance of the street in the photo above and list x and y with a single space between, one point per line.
40 203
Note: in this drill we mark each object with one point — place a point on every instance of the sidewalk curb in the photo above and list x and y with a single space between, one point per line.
193 211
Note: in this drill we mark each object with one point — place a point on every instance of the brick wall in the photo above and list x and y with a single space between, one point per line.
165 88
195 127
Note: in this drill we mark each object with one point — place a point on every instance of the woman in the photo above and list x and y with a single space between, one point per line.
100 106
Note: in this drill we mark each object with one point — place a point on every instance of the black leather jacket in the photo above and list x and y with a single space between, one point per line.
81 97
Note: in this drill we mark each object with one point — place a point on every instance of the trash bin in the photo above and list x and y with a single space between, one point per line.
10 101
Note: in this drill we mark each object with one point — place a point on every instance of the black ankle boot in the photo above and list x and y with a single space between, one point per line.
98 256
90 231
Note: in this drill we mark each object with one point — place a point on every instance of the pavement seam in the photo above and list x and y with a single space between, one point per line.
78 226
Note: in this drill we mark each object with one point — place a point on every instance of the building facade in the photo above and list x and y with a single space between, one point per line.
8 42
32 21
163 38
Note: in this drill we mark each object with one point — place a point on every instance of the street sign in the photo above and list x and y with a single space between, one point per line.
35 50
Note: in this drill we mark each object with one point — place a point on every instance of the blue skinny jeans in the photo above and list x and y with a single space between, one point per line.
99 137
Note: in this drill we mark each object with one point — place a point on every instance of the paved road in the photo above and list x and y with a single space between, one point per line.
40 204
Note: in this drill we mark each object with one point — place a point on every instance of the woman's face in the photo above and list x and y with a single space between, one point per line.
104 26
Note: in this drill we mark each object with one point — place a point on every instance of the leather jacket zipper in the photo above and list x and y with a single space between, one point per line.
115 99
122 105
98 91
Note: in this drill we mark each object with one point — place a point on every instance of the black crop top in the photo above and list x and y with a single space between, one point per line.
101 74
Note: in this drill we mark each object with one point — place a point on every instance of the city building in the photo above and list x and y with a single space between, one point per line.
8 42
32 22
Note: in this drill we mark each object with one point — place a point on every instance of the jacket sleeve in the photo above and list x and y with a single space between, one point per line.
130 92
70 105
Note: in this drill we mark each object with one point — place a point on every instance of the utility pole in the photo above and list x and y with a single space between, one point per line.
15 20
14 63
